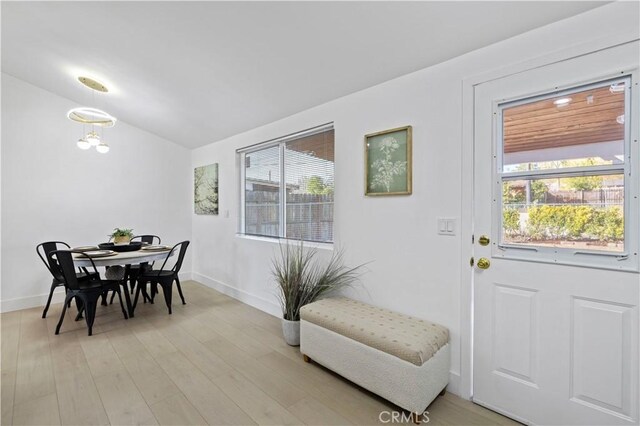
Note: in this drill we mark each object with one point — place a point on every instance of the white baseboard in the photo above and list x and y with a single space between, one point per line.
454 383
31 301
27 302
241 295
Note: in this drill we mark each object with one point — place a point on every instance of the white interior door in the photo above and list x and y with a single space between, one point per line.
556 198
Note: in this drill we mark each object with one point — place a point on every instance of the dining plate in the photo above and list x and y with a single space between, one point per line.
155 248
100 253
85 248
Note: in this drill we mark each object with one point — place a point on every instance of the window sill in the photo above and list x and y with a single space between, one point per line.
319 246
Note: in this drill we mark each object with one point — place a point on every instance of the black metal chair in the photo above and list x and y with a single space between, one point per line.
164 277
88 291
44 251
134 270
147 238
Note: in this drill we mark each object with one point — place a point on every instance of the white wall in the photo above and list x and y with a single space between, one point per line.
413 270
51 190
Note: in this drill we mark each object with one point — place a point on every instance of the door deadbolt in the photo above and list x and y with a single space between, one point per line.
483 263
484 240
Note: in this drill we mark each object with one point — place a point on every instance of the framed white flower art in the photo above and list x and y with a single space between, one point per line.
388 162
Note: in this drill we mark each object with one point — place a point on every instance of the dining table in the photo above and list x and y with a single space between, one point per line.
125 259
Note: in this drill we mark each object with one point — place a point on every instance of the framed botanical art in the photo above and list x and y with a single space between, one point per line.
388 162
205 189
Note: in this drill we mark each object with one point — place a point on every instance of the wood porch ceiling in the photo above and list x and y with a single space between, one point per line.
541 124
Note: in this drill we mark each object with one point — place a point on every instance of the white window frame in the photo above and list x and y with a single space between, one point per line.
626 260
281 143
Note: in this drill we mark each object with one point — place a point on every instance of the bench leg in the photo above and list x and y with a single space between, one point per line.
443 391
306 358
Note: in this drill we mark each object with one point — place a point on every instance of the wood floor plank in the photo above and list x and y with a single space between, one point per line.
176 410
275 342
313 412
150 379
451 408
125 342
38 411
34 374
195 329
284 392
233 334
100 355
122 401
253 401
350 401
202 393
152 339
10 331
207 361
7 391
78 397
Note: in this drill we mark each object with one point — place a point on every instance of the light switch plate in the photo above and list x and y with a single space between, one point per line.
447 226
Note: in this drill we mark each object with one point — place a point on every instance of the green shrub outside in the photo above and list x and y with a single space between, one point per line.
568 221
607 225
511 220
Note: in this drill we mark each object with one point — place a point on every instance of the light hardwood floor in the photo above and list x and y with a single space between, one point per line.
215 361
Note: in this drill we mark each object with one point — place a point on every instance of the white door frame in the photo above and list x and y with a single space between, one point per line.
466 218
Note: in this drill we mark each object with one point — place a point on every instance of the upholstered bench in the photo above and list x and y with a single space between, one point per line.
403 359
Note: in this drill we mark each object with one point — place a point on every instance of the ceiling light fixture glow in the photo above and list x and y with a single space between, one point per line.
93 84
93 138
616 88
562 102
83 144
102 148
93 116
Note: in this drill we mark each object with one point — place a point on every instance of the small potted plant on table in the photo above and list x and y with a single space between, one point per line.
121 235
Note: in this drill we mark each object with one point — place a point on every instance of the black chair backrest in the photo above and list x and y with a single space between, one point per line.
149 239
67 269
44 251
65 262
183 249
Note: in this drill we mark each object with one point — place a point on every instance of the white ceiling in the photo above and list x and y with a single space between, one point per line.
197 72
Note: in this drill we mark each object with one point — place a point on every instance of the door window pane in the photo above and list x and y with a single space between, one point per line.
579 212
584 128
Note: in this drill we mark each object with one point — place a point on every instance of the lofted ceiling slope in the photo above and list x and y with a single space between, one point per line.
197 72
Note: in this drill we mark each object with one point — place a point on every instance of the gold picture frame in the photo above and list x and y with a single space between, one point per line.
388 160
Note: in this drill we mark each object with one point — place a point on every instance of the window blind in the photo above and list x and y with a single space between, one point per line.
289 186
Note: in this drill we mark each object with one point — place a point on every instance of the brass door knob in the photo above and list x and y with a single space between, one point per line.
484 240
483 263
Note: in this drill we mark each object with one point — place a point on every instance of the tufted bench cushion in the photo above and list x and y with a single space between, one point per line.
410 339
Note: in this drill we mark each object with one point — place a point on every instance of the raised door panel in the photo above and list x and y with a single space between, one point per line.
602 353
515 333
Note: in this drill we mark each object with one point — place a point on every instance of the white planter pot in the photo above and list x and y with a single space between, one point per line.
291 332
